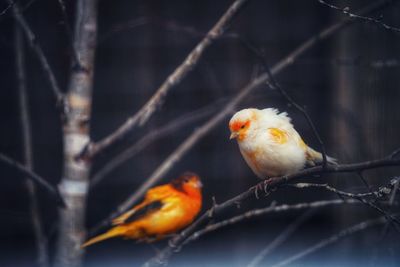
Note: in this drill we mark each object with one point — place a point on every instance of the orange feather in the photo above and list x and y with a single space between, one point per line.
164 210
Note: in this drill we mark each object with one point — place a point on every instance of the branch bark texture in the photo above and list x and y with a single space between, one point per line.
75 180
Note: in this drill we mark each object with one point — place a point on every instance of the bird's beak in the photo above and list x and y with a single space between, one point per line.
233 135
199 184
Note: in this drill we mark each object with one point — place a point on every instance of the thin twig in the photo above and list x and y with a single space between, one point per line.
40 238
68 31
151 137
261 212
269 184
391 201
4 11
174 79
52 190
274 85
332 239
30 36
346 11
281 238
200 132
381 192
385 190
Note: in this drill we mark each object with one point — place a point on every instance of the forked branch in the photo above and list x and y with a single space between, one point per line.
174 79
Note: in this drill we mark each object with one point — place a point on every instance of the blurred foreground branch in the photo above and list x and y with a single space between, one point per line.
281 238
332 239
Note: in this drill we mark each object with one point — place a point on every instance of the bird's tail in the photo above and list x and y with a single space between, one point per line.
314 157
116 231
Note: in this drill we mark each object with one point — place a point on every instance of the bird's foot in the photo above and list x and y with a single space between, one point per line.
259 187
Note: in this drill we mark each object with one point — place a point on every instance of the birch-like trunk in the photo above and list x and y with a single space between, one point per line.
74 183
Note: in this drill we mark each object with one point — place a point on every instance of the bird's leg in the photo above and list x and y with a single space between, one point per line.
265 188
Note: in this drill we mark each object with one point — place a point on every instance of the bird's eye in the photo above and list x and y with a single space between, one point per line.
242 126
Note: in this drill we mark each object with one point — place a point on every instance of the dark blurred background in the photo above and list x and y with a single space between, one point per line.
349 84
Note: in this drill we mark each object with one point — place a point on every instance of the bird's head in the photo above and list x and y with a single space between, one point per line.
240 123
188 183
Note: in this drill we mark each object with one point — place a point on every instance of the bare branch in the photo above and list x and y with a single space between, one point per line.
269 185
200 132
281 238
40 238
379 193
149 138
333 239
30 36
68 31
391 201
175 78
260 212
382 191
346 11
34 177
274 85
5 10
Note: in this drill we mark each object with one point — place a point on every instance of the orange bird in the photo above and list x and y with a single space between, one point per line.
164 210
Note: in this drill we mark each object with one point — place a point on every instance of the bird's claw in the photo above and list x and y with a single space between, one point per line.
258 187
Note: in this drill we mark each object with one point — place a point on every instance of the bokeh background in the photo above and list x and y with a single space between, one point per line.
349 84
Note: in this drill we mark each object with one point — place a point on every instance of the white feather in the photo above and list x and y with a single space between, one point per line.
265 156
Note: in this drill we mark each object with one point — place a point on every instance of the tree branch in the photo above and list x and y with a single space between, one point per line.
269 185
346 11
200 132
333 239
5 10
260 212
30 36
175 78
386 190
149 138
52 190
281 238
40 238
68 31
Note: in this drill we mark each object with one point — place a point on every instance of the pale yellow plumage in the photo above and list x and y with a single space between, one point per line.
269 143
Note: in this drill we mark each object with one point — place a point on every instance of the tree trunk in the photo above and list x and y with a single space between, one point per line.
74 183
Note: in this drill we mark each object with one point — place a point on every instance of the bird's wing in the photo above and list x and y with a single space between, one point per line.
159 192
153 201
138 212
278 135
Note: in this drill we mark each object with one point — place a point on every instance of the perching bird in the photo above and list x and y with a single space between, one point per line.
164 210
269 143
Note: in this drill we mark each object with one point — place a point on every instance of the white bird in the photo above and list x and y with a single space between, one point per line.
269 143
